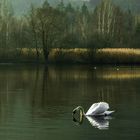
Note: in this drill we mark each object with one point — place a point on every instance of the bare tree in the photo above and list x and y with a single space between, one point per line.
49 25
32 19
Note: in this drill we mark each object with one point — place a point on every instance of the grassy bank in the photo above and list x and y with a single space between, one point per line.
77 55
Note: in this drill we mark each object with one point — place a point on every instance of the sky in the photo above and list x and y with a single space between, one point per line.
22 6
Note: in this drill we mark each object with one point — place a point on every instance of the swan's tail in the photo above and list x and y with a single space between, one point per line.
107 113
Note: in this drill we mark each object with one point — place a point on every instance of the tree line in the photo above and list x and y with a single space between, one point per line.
65 26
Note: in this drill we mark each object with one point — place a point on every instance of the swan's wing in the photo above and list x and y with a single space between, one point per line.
97 108
92 108
106 113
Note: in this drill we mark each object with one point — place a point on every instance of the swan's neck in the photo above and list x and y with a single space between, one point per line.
82 112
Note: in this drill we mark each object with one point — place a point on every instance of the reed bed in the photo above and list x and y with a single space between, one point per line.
101 56
119 55
118 51
75 55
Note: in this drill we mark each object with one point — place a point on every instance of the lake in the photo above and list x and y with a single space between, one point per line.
36 102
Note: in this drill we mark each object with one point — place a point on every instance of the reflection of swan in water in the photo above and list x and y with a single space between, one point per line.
98 115
97 109
99 122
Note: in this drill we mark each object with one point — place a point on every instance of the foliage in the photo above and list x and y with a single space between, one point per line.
64 26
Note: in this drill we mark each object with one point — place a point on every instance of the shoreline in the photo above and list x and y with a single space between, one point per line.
82 56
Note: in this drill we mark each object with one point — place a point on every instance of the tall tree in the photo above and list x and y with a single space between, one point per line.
49 24
32 19
61 6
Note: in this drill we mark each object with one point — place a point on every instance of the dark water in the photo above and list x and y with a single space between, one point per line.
36 103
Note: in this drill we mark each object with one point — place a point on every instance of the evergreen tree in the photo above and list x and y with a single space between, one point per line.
46 4
84 9
61 6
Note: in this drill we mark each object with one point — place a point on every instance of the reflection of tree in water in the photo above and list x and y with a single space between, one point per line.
45 85
40 87
44 91
56 86
39 92
15 83
44 102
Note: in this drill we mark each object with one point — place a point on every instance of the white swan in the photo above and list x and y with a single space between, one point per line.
97 109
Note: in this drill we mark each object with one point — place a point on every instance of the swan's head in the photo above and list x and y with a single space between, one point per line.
79 110
78 114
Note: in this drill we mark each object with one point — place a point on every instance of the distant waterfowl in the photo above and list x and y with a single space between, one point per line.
95 68
97 109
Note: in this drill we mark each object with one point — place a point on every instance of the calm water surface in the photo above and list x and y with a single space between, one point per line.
36 103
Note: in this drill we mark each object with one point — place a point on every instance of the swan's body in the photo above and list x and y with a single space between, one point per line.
97 109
